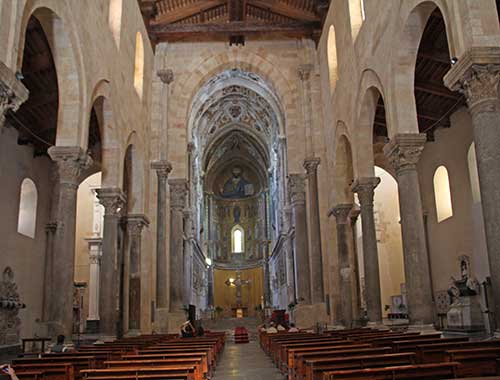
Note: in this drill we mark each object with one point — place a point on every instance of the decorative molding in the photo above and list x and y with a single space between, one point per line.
404 150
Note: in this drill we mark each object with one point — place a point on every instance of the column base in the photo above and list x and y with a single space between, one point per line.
307 316
175 320
161 321
133 332
92 326
422 328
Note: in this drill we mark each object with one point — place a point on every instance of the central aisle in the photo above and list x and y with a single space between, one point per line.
245 362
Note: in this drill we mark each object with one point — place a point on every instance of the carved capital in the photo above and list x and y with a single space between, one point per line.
365 188
12 92
135 224
71 161
296 188
404 150
113 200
341 212
178 193
51 227
166 76
162 168
311 165
304 71
476 75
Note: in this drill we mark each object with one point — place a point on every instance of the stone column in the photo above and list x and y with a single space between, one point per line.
403 152
162 168
311 166
50 231
178 194
95 253
302 269
365 187
12 92
353 217
210 286
341 214
477 75
70 162
188 257
135 223
167 77
113 201
290 277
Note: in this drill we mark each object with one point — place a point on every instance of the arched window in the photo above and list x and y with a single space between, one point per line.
238 239
357 16
332 57
363 12
473 174
115 19
139 64
442 194
26 223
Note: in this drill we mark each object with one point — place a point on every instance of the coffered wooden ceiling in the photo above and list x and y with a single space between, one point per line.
232 20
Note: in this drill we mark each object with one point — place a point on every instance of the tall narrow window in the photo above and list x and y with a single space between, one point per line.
26 223
356 14
238 238
139 64
363 12
115 19
442 194
332 57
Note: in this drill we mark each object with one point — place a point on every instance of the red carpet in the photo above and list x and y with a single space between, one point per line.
240 335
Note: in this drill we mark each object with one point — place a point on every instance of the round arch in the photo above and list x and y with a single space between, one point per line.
58 24
133 177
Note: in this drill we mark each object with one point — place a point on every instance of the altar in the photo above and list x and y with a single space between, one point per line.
239 312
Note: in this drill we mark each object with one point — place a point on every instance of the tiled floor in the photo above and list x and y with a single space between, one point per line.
246 362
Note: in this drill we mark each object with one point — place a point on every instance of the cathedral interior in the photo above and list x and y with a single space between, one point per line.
337 160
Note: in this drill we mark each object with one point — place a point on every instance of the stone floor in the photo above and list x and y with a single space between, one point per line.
245 362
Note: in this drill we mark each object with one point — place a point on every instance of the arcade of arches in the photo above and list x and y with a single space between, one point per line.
336 159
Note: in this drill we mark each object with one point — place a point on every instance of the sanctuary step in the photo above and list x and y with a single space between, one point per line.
241 335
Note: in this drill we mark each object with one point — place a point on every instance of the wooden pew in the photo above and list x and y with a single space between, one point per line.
296 368
46 371
475 361
202 356
77 362
407 372
384 341
314 368
279 349
436 352
199 373
186 372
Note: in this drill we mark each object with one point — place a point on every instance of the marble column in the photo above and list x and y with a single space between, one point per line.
167 77
162 168
50 232
188 256
113 200
311 166
341 214
353 217
70 162
95 254
403 152
178 194
135 224
365 187
300 244
210 287
477 75
12 92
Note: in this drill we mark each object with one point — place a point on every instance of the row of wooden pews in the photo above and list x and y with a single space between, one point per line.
379 354
152 357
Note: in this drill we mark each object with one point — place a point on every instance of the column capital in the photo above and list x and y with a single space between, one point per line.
136 222
365 187
354 214
166 75
403 150
311 165
162 168
296 188
341 212
12 92
304 71
477 74
178 193
70 161
113 199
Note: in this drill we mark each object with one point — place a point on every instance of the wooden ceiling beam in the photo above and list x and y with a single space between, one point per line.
284 9
182 31
186 11
437 90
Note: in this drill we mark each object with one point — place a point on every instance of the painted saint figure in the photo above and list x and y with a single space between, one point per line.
237 186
